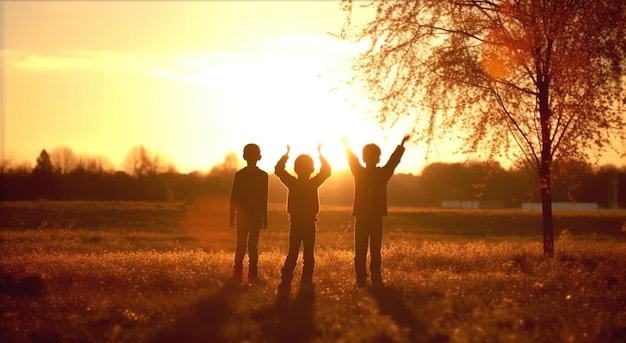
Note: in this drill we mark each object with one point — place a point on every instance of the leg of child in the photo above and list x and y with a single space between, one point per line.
253 254
308 242
240 251
360 250
295 239
376 241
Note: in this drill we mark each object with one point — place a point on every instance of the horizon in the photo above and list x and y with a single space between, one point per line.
170 165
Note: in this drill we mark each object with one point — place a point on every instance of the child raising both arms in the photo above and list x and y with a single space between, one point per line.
303 208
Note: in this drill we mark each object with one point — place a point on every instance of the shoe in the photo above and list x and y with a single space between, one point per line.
254 279
237 274
237 278
284 287
285 275
307 286
234 282
377 281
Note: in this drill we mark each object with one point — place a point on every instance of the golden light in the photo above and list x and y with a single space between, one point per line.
193 99
276 95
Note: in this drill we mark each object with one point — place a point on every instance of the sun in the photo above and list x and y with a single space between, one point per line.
288 108
305 139
303 115
287 96
328 132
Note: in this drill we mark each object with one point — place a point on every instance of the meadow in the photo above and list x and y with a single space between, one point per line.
159 272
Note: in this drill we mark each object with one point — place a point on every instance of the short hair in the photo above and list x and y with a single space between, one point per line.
303 165
371 153
251 152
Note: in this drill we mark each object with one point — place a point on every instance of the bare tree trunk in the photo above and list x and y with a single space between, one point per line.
546 207
545 170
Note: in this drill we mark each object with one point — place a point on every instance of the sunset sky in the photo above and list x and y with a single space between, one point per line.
191 80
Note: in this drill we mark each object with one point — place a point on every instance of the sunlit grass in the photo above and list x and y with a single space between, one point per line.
127 284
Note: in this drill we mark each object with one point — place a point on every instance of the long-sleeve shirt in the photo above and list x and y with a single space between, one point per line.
302 199
248 198
370 184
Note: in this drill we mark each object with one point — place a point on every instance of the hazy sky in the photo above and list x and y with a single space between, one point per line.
191 80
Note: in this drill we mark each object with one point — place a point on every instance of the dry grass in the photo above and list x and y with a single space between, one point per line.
168 282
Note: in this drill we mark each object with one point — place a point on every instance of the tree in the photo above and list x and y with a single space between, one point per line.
64 159
528 80
93 164
43 177
44 164
5 165
224 172
141 162
228 166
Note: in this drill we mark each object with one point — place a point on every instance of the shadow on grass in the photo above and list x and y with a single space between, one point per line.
205 320
389 301
287 320
24 286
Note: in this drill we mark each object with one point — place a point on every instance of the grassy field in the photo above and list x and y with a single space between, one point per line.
156 272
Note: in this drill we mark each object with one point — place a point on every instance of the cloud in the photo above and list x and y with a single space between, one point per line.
78 59
284 60
200 68
206 69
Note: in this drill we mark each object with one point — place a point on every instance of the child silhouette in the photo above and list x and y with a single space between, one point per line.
248 211
370 205
303 207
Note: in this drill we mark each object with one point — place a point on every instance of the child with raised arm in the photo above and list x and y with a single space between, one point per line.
248 211
370 205
303 208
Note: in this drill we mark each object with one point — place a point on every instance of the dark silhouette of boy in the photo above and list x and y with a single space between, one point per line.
248 210
303 208
369 207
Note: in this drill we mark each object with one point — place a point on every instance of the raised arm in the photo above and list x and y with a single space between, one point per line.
325 167
279 169
395 157
404 139
353 160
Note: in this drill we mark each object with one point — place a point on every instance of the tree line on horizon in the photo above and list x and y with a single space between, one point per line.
147 178
63 176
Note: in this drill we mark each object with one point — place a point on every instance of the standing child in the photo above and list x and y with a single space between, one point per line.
370 205
248 209
303 207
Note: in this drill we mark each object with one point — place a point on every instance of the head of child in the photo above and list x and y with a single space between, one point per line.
303 166
251 154
371 155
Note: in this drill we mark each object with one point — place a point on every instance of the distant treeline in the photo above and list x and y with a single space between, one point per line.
487 182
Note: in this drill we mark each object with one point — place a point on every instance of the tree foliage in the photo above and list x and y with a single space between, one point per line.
44 164
529 80
141 162
64 159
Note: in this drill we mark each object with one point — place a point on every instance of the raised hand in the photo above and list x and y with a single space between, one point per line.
288 149
405 138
